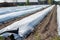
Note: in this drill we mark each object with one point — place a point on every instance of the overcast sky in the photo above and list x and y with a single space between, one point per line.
1 0
57 0
19 0
22 0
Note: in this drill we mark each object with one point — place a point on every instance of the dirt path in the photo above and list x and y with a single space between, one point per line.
47 29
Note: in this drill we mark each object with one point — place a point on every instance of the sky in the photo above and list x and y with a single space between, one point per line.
18 0
22 0
1 0
57 0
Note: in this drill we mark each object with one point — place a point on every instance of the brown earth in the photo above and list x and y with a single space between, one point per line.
47 29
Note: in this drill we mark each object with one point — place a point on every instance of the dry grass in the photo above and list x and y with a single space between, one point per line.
56 38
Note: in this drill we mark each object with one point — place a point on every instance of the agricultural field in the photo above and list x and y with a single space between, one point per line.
33 22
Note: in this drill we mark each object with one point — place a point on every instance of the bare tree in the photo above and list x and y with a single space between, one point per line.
14 2
27 2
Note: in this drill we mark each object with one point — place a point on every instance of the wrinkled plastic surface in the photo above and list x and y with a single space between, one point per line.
15 9
7 17
27 25
58 19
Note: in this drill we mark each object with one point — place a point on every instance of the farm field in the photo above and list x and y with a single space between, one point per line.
35 22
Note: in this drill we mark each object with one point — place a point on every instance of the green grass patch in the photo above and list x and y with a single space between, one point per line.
56 38
37 36
2 38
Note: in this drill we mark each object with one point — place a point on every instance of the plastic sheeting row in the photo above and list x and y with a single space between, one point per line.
7 17
58 19
15 9
25 26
